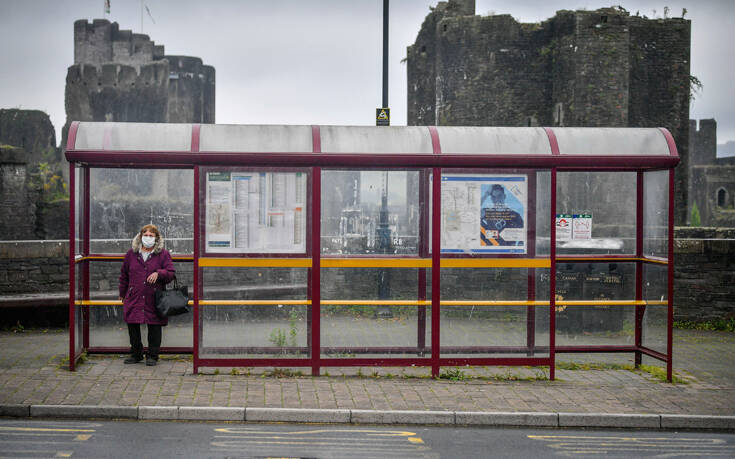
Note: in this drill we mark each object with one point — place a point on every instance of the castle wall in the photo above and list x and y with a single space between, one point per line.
17 209
579 68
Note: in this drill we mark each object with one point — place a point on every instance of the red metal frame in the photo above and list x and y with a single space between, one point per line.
429 165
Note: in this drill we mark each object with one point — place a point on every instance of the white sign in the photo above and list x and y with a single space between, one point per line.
563 227
582 226
255 212
484 213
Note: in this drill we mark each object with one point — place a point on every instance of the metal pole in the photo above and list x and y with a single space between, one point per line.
385 53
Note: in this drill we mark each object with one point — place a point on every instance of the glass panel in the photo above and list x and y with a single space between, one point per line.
655 318
106 325
491 330
370 212
255 211
347 330
260 330
602 210
543 213
124 200
78 317
579 325
78 211
485 213
655 213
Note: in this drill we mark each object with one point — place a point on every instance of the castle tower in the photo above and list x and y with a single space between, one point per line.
579 68
123 76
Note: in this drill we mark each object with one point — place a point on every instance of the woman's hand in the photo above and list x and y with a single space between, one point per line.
152 278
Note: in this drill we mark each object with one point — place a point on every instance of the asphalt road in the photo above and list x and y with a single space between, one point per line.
126 439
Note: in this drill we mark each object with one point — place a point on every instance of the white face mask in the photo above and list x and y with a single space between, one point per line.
148 241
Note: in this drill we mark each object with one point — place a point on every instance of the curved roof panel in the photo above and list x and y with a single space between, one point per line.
247 138
369 146
493 140
611 141
373 139
133 136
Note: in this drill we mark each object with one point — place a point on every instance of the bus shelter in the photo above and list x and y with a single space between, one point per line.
344 246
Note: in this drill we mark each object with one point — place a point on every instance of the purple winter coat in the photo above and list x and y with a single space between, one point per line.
138 295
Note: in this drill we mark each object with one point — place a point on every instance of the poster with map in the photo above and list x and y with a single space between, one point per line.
255 212
484 213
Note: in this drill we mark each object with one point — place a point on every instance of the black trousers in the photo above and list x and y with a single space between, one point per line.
136 344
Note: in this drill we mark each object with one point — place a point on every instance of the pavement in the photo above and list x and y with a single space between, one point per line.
597 390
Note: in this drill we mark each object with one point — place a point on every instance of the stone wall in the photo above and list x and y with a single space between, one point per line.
17 204
704 282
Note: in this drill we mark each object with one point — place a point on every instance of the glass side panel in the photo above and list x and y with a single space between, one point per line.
78 315
107 327
375 329
600 212
655 318
124 200
370 212
594 323
491 330
543 213
655 213
254 330
78 210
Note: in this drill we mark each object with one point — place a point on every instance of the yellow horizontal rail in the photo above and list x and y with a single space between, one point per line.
255 262
659 261
375 262
399 303
80 259
495 262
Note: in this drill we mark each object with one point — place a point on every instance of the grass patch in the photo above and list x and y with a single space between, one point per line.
282 373
593 366
660 374
453 374
713 325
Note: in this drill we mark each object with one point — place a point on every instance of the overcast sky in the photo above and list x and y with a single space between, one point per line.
307 61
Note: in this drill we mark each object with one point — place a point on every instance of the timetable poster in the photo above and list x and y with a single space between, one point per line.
256 212
484 213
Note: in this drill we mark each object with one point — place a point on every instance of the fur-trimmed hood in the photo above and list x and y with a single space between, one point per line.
157 247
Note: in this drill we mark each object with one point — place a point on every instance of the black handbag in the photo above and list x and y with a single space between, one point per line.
172 302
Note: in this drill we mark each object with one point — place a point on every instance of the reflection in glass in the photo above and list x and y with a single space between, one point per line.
123 200
602 206
370 212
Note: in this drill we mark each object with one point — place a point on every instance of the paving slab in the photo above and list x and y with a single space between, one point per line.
34 381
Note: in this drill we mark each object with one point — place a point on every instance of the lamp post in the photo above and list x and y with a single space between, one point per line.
384 245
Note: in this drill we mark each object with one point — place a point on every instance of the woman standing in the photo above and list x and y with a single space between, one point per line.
146 268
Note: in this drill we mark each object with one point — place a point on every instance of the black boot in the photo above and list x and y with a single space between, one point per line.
136 345
133 359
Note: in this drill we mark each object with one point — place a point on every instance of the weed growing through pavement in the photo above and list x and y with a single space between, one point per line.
660 374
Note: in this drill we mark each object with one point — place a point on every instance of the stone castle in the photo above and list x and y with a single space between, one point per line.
119 75
711 179
579 68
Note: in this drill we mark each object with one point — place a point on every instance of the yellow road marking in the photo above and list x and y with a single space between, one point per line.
42 429
82 437
247 430
64 454
416 440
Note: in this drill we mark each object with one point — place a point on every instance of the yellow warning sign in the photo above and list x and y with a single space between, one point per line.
382 116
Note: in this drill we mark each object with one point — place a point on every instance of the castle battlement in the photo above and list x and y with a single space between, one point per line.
119 75
101 42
